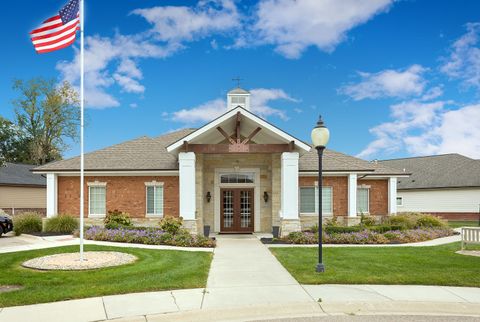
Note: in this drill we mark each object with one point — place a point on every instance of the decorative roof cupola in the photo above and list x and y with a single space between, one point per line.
238 97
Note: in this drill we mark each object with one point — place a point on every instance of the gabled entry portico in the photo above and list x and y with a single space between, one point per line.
247 166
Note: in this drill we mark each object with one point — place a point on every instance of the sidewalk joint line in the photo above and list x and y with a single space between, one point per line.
104 308
378 293
446 288
175 300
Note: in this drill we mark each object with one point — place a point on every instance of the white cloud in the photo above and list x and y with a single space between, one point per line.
179 24
464 60
389 83
102 54
421 128
133 105
433 92
293 25
115 60
202 113
408 116
260 99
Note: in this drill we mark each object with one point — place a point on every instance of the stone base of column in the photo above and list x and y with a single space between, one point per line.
191 225
289 226
348 221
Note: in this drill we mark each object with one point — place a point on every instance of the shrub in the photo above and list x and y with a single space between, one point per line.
429 221
414 220
331 221
61 224
117 219
171 224
367 220
149 236
406 220
342 229
28 222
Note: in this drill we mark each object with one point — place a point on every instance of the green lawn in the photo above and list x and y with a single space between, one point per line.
463 223
154 270
437 265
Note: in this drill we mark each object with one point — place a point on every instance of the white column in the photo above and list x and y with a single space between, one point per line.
352 195
392 196
289 186
186 162
51 195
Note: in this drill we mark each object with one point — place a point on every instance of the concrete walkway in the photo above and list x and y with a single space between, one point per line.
244 272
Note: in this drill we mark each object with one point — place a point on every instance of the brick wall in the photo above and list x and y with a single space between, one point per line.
340 191
378 193
378 202
126 194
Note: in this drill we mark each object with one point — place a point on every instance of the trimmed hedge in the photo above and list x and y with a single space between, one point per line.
342 229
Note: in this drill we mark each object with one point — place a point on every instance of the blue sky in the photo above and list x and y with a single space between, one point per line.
391 78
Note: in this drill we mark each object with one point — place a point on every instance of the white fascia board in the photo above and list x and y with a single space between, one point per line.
112 173
330 173
226 116
383 176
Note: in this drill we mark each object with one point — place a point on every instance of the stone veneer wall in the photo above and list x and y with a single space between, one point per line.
125 193
230 161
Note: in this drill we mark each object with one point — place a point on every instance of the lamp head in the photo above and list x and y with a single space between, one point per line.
320 134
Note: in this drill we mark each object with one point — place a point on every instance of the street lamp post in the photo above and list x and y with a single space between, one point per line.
320 136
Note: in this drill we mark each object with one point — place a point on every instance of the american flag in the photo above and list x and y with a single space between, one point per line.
58 31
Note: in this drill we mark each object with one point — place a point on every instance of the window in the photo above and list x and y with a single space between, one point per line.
238 99
309 200
399 201
96 200
237 178
362 200
155 200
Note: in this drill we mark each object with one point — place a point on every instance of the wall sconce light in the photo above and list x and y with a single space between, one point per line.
265 196
208 196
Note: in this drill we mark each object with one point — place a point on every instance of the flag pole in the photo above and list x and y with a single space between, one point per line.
81 128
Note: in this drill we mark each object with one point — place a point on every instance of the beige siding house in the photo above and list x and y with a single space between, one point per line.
21 190
446 185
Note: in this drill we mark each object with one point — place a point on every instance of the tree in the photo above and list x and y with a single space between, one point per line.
13 143
48 113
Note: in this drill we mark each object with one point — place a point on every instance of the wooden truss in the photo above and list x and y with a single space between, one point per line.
238 145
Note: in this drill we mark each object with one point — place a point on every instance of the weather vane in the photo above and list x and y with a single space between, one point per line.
237 79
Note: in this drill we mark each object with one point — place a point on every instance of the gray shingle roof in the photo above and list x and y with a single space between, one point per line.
437 171
143 153
150 154
336 161
20 175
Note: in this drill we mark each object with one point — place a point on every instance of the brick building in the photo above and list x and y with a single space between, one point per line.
249 181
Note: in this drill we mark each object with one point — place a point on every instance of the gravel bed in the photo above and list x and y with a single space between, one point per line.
71 261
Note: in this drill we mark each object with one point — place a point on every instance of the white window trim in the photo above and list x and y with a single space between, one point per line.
368 198
154 184
96 184
326 214
401 201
